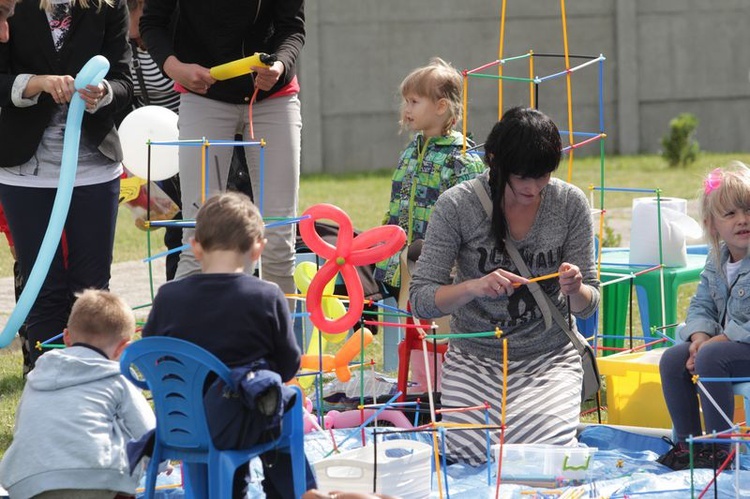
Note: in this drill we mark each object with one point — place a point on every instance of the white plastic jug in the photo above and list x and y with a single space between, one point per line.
676 227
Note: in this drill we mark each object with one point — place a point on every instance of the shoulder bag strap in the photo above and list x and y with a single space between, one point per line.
542 299
544 302
139 73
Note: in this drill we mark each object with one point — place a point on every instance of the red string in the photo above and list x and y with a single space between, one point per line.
250 110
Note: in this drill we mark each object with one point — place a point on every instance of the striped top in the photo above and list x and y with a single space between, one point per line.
159 87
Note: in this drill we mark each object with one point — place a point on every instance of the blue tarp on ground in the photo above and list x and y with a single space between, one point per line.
623 467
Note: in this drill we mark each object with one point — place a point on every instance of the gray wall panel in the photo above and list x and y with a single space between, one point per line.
663 57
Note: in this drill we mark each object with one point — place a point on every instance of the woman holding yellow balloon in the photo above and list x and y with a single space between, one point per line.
209 34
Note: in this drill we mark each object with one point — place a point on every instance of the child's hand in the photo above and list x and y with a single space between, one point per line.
696 342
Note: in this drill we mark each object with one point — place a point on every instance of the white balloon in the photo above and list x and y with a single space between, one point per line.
157 124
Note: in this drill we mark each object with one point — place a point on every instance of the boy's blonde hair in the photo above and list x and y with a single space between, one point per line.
47 4
438 80
228 221
100 317
724 189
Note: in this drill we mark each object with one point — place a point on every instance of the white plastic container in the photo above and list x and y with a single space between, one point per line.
676 227
539 462
403 470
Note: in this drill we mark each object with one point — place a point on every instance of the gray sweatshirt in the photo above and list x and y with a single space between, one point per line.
460 235
76 414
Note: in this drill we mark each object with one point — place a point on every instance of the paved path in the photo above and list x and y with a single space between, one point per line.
129 280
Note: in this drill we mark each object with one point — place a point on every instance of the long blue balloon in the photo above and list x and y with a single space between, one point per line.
92 73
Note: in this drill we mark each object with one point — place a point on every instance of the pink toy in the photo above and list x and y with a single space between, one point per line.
352 419
311 422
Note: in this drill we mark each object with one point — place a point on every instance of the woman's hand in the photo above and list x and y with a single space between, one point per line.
266 78
497 283
571 285
570 279
60 87
449 297
92 94
193 77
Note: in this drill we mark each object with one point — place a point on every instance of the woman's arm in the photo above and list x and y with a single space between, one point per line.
289 30
155 29
432 292
578 270
439 252
117 94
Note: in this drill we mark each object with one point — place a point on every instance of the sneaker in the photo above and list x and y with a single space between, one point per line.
677 458
707 458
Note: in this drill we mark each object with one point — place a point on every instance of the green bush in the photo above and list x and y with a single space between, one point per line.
611 238
678 146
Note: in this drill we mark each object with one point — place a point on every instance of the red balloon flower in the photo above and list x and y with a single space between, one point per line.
372 245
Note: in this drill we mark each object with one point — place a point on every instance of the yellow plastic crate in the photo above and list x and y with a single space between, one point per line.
634 395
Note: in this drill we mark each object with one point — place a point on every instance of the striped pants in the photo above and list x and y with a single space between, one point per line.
543 400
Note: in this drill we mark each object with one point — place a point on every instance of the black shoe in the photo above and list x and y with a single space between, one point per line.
677 458
712 458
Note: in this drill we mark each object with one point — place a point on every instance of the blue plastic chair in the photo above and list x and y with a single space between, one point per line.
175 372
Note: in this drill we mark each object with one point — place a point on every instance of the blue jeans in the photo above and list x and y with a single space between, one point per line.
715 360
90 235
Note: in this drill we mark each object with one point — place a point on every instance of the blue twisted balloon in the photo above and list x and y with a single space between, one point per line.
92 73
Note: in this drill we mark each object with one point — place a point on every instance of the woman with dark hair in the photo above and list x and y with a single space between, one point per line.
548 222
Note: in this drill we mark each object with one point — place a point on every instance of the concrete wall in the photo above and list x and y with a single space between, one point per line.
663 57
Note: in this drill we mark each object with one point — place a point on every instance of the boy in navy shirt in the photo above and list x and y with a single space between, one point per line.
238 317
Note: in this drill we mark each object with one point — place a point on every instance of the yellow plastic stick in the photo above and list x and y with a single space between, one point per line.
569 86
532 101
540 278
204 146
239 67
500 51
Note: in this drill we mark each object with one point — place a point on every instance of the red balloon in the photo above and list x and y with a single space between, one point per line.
369 247
377 244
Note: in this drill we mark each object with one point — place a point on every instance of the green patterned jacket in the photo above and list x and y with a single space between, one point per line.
425 170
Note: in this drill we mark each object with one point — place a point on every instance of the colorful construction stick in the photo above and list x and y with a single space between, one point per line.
537 279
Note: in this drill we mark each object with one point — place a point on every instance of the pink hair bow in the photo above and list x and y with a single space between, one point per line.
713 181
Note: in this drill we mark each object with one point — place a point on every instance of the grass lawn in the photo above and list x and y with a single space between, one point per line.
365 197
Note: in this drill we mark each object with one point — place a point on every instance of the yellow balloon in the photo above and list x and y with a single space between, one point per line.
333 308
315 348
239 67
